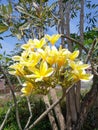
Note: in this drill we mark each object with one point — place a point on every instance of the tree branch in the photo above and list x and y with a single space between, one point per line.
77 42
30 111
50 114
13 94
94 70
90 51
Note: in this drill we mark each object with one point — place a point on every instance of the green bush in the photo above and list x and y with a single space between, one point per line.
11 126
38 107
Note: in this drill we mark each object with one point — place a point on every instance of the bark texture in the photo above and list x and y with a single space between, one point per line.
67 16
57 110
50 114
81 23
61 25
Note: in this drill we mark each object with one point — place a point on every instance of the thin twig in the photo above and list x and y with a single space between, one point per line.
77 42
19 80
30 111
90 51
13 94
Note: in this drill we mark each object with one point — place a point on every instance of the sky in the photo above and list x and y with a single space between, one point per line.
8 43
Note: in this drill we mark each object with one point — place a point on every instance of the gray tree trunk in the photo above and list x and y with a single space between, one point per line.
50 114
71 116
67 16
81 23
57 110
61 25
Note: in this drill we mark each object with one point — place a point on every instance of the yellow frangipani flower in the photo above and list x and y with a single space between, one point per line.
44 52
79 71
31 60
74 55
17 69
78 65
32 44
42 72
29 46
27 89
62 57
24 56
53 39
81 75
52 55
45 64
28 59
61 60
39 43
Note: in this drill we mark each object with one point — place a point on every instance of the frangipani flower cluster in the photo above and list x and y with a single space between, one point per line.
43 66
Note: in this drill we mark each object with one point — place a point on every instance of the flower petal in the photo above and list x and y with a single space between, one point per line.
74 55
86 77
16 58
84 66
49 72
43 68
27 90
53 39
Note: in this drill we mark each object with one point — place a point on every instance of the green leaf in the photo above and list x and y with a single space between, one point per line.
42 1
10 8
3 28
1 56
25 26
4 9
21 9
95 29
7 59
